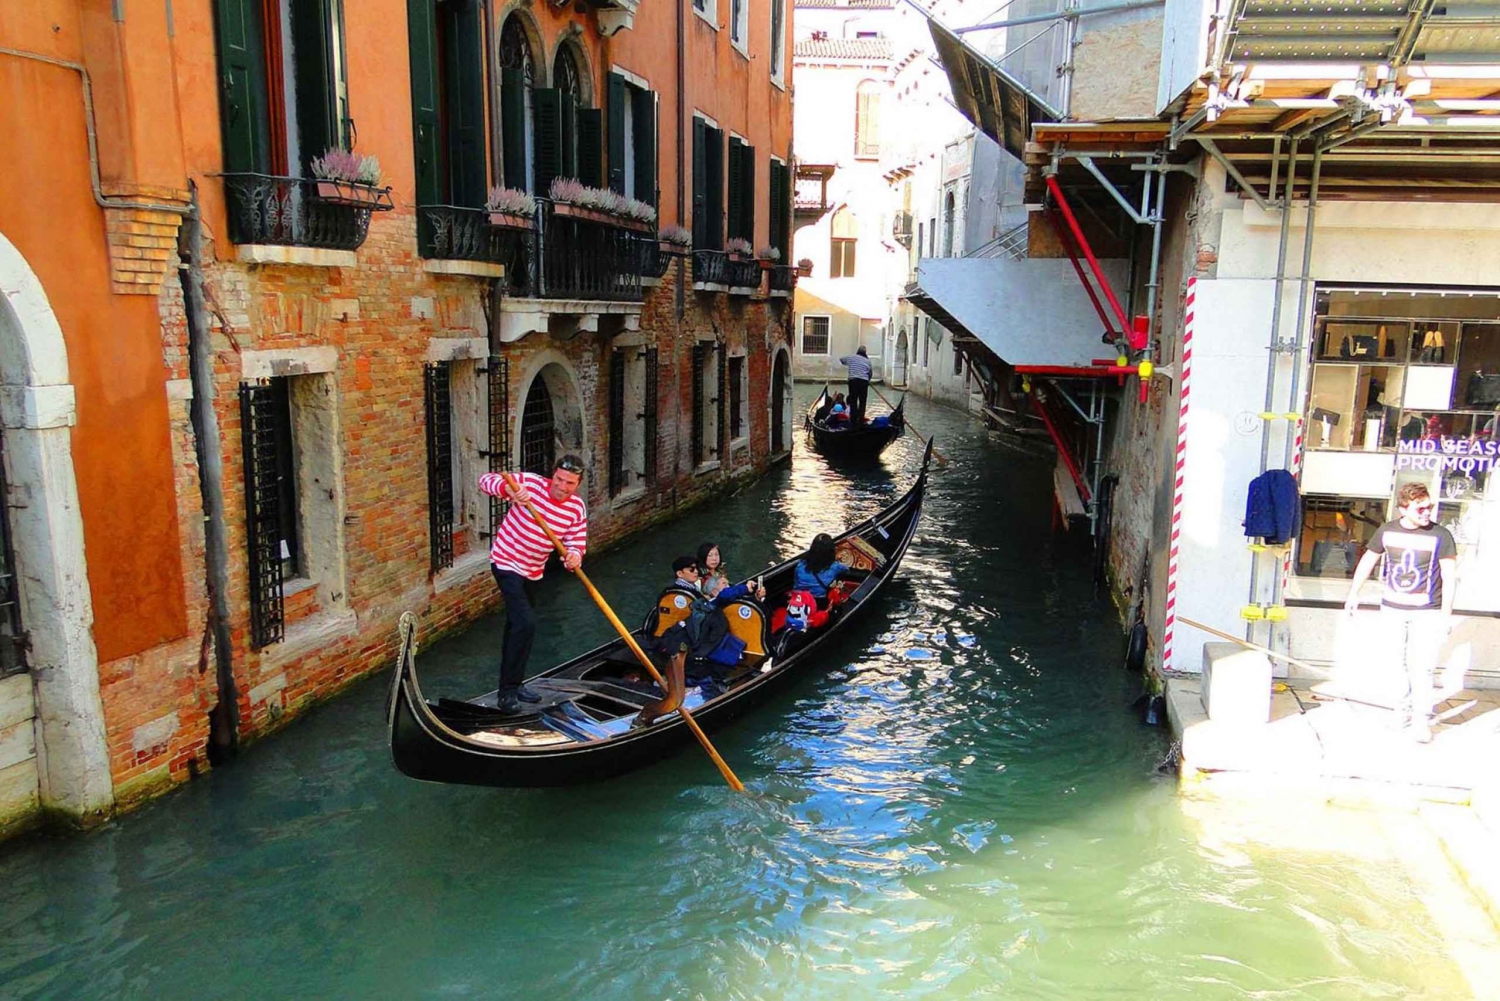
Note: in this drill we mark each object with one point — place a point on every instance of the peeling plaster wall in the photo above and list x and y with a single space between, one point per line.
1115 66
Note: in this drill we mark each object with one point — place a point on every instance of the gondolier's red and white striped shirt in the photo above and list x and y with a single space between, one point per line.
520 546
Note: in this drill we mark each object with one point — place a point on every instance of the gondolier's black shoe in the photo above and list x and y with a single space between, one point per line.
528 694
507 703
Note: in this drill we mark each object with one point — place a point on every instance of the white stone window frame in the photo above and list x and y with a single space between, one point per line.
743 440
778 44
712 392
317 435
634 423
739 28
802 319
709 12
469 391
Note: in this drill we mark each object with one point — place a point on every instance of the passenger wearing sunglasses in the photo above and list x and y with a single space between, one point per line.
1418 580
519 555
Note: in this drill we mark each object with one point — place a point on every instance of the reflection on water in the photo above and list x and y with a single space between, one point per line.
959 806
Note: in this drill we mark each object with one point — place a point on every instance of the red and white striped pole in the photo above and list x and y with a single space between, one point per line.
1180 464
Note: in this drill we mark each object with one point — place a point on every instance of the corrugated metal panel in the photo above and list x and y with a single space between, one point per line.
996 102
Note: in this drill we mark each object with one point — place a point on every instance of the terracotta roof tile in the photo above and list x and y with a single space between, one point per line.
842 48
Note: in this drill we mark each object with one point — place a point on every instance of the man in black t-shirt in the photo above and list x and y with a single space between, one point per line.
1416 595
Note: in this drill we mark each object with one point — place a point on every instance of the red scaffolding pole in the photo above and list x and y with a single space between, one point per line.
1088 252
1062 448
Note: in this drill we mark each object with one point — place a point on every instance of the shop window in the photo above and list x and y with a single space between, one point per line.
284 83
1335 531
632 139
815 335
708 186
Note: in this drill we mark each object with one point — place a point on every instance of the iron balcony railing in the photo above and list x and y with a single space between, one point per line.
455 233
710 267
288 211
587 258
783 278
744 274
653 261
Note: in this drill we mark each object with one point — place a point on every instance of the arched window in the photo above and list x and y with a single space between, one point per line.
867 120
517 79
567 78
538 430
948 219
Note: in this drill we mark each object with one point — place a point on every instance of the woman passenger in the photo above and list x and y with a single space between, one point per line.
818 570
711 566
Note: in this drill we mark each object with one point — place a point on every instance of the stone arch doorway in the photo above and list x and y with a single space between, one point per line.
898 369
551 419
56 608
781 402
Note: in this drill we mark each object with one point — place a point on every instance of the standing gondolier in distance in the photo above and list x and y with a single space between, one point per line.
1418 579
519 555
860 371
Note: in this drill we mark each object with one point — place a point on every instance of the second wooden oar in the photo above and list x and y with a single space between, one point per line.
939 456
620 627
1255 646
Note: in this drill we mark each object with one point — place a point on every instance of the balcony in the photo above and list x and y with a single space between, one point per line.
716 271
265 210
652 261
452 233
810 189
588 258
782 279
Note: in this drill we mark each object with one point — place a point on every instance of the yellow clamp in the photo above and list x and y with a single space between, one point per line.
1267 415
1261 547
1276 613
1263 613
1254 613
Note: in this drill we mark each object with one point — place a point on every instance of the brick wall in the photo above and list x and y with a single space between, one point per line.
379 318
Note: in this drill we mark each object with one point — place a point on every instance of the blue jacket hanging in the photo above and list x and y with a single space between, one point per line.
1273 509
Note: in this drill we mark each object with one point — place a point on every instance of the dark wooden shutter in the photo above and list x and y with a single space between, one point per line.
616 106
747 193
645 145
774 182
513 127
319 121
616 421
714 151
546 116
258 435
497 456
736 189
699 351
243 103
721 401
465 105
421 25
439 399
590 140
784 214
700 185
650 414
567 141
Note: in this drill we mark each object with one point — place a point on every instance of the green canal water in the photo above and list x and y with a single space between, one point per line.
959 804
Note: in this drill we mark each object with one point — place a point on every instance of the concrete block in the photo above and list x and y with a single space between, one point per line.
16 700
312 257
1236 685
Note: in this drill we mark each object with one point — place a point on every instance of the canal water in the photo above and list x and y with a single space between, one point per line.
959 804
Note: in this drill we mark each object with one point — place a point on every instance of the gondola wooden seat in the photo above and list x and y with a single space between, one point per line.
674 605
748 623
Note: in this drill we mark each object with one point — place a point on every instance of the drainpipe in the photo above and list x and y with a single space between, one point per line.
681 144
224 718
1273 348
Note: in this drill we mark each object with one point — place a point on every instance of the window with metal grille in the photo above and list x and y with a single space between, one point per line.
736 397
699 352
721 402
497 371
815 335
617 471
439 399
261 430
12 639
538 430
649 414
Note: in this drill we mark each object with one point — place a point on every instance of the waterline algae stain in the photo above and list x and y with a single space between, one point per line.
984 821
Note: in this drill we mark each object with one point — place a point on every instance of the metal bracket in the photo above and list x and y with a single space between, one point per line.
1114 192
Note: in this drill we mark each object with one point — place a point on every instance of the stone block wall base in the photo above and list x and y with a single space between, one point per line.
20 798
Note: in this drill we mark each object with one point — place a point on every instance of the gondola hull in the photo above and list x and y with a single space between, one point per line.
424 747
853 444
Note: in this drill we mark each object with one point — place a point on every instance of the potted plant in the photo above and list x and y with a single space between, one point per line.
511 208
576 200
346 178
739 249
804 267
767 256
674 240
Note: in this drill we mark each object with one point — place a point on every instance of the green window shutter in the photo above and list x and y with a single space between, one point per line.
736 188
568 137
773 198
713 150
469 179
242 86
421 28
590 139
616 107
784 214
319 123
513 127
747 196
546 112
645 145
700 185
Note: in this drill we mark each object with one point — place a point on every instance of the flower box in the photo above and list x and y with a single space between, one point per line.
766 264
365 196
804 271
675 249
603 218
511 220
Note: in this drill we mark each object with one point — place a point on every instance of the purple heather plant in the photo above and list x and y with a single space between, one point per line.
341 165
676 236
768 253
510 200
739 245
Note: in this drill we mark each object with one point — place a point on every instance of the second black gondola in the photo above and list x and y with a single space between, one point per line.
842 440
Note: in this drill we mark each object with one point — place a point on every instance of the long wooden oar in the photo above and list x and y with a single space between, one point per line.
1255 646
614 620
939 456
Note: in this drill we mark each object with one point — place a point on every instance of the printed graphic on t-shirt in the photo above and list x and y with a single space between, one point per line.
1411 573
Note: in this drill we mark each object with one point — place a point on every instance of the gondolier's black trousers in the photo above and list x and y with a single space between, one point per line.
859 391
520 626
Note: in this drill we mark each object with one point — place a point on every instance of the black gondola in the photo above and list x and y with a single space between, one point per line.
842 441
581 730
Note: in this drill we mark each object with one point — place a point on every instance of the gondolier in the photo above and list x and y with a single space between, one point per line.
860 371
519 556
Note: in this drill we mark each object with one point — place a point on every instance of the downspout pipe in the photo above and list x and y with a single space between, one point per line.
100 198
681 294
224 718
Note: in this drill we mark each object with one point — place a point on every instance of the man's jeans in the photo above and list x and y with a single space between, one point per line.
1414 638
520 627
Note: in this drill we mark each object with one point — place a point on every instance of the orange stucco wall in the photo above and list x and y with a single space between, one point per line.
120 443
